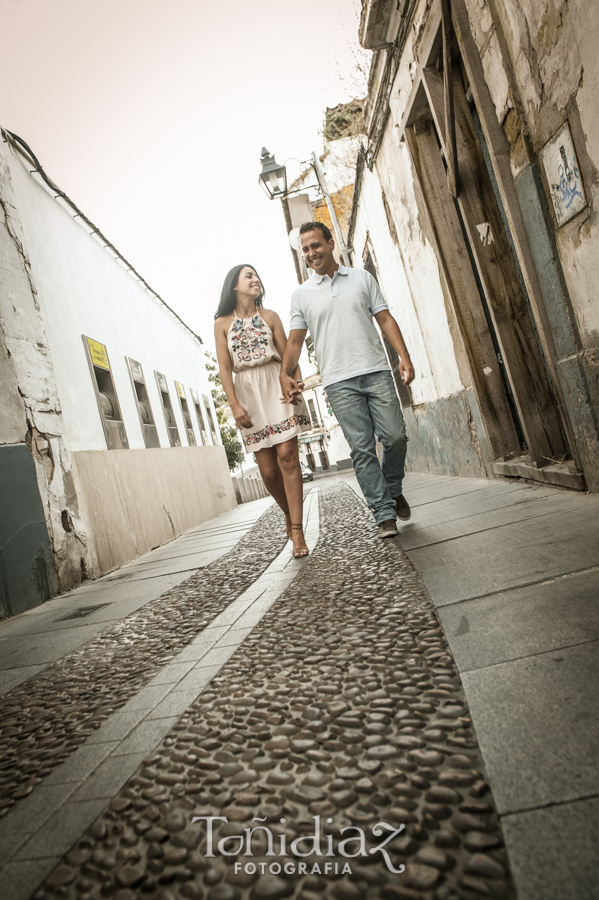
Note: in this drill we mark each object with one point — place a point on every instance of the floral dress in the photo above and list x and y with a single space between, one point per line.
257 365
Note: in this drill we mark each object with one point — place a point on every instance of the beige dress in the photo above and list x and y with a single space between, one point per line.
257 365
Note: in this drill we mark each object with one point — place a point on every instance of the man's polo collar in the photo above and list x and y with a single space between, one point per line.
341 270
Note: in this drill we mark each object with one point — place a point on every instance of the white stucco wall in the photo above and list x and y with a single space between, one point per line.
423 324
408 271
57 283
339 162
83 290
337 446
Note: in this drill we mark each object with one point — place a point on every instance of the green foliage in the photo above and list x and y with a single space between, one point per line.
344 120
229 433
231 443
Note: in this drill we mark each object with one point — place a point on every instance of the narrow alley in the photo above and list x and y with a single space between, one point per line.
252 259
219 720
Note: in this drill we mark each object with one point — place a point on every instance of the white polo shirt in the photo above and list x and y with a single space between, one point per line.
338 314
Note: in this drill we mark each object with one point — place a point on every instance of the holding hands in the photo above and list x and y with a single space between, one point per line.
292 389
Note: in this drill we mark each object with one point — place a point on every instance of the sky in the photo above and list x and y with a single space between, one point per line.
151 116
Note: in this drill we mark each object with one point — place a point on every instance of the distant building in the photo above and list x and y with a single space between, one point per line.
324 446
109 444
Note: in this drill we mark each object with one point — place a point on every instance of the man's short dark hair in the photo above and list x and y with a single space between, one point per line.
316 226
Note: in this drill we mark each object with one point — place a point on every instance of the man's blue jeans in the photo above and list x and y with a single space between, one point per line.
365 406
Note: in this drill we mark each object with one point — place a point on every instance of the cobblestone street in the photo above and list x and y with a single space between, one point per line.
265 728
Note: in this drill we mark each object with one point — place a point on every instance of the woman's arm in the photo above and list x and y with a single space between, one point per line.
226 375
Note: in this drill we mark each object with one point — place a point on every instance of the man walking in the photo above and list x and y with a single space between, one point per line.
337 305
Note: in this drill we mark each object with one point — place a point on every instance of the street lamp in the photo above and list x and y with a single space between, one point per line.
273 177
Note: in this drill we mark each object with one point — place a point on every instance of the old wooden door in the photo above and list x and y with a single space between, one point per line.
481 274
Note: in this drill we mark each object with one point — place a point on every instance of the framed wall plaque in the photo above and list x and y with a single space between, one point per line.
563 176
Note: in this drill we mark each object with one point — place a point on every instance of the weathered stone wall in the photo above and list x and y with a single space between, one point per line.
532 65
28 380
58 282
446 431
552 47
542 69
448 437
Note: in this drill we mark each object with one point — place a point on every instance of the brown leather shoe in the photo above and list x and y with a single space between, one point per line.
402 508
388 529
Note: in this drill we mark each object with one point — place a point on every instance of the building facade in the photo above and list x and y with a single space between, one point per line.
474 206
324 447
108 438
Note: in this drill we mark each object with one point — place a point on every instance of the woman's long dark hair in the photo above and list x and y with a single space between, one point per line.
228 296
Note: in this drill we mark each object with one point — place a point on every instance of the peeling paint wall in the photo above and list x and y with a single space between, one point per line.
552 45
421 269
533 67
32 372
57 283
548 50
373 233
447 434
13 421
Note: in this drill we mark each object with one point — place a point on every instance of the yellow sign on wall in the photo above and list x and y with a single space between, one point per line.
180 390
98 354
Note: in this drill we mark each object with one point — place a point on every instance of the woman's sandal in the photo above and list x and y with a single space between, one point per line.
299 554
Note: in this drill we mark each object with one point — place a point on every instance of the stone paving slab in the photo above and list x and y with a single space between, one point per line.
462 518
19 879
62 829
81 763
514 555
180 566
433 490
524 621
117 727
555 850
109 777
341 705
45 647
538 725
491 496
33 813
148 733
11 678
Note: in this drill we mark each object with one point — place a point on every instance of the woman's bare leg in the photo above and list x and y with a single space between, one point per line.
288 457
273 480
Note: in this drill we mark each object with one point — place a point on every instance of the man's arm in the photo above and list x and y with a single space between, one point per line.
290 387
390 329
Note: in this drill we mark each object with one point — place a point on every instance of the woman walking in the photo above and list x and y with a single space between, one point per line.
249 343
